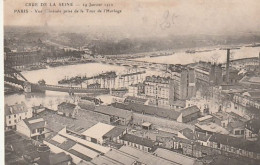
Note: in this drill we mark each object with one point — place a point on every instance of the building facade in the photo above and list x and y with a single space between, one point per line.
247 99
159 90
20 59
15 113
184 81
207 75
33 128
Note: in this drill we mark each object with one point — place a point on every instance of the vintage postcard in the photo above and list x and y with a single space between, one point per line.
131 82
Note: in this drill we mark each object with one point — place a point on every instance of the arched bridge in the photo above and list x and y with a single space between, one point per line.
14 76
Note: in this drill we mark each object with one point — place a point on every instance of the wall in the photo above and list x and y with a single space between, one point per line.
19 117
138 146
23 129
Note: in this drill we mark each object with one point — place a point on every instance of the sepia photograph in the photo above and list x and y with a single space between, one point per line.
131 82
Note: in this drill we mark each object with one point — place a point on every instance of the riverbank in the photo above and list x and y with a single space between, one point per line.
218 55
65 63
53 64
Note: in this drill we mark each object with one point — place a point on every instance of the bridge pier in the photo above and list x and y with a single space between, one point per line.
71 93
27 87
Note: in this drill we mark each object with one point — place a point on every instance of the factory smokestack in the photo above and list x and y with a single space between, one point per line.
227 66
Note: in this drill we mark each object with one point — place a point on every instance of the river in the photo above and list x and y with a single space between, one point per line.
216 55
53 75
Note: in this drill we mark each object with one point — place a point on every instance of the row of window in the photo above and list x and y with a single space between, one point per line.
40 130
15 121
15 115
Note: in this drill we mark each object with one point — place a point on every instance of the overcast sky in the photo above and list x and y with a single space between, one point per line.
151 16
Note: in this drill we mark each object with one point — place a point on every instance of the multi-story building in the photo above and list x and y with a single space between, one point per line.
243 101
235 146
242 63
159 90
15 113
222 96
19 59
137 142
207 75
136 89
184 81
129 78
33 128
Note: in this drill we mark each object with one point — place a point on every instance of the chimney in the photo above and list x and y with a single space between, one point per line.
11 110
227 66
44 152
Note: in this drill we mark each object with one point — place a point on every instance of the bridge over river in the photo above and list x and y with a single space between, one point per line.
70 90
15 77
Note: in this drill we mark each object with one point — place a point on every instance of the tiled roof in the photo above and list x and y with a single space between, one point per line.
37 107
145 157
236 116
57 122
174 156
194 135
221 115
239 143
86 104
67 105
103 160
189 110
149 110
235 124
117 157
182 140
80 155
112 111
138 140
222 159
115 132
59 158
66 145
225 139
15 109
34 123
188 133
212 127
